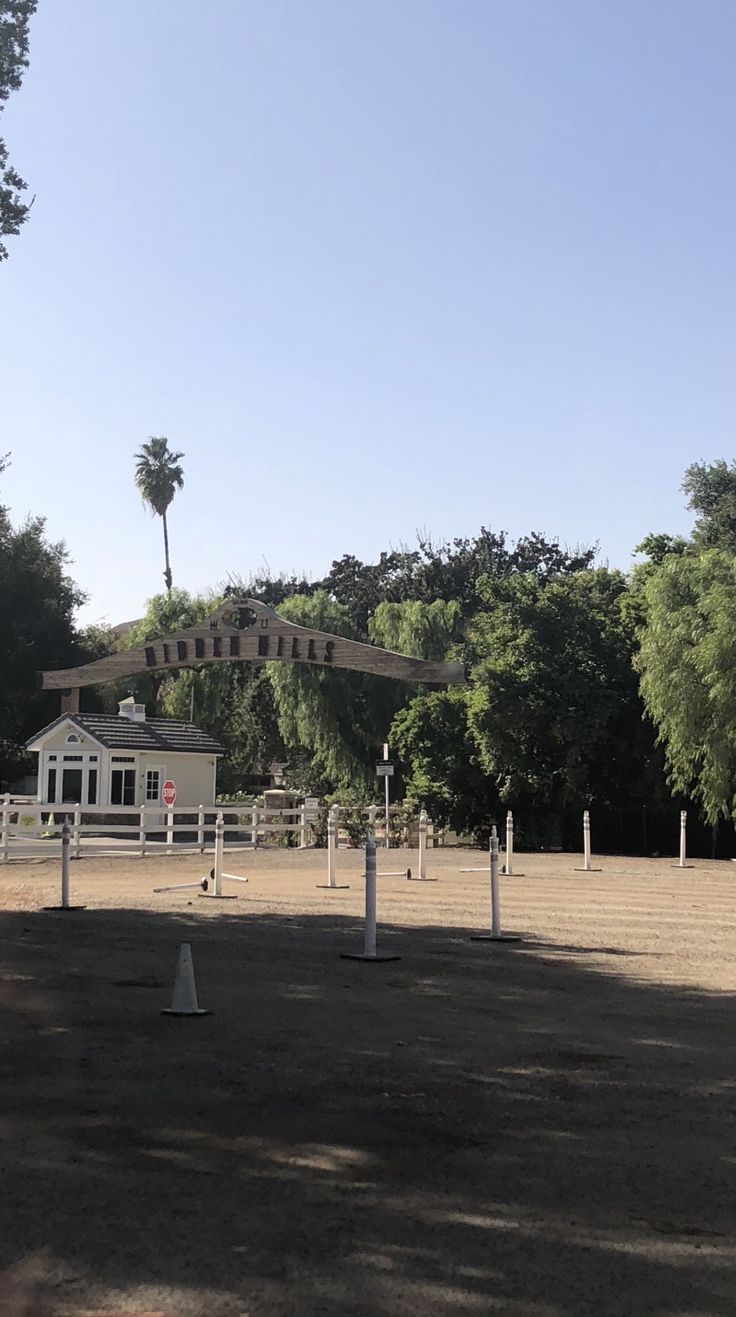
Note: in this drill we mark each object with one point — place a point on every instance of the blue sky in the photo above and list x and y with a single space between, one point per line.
373 265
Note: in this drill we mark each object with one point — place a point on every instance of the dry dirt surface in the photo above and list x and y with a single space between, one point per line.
533 1129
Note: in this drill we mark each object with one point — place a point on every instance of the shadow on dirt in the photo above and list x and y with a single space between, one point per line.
474 1128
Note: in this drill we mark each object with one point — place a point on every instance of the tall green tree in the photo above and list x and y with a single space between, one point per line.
158 475
711 492
38 600
443 772
15 16
687 661
553 707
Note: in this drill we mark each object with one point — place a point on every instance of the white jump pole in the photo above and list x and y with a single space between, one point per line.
369 933
421 877
332 852
65 851
586 866
495 934
179 887
682 864
510 847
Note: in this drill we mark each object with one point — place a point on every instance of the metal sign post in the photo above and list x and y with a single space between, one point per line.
385 769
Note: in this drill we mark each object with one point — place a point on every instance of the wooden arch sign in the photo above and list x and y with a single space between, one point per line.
247 631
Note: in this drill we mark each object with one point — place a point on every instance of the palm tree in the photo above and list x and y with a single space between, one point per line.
158 475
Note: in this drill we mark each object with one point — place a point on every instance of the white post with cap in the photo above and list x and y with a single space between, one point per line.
369 952
682 862
586 866
510 846
332 824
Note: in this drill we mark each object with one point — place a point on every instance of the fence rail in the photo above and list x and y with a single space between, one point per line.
30 829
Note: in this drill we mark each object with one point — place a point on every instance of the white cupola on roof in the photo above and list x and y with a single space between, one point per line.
129 709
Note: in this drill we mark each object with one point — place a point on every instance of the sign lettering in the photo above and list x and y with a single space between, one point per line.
249 631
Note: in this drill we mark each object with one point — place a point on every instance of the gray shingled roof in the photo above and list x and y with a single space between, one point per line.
154 734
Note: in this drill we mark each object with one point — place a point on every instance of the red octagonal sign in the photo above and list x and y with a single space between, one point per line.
168 793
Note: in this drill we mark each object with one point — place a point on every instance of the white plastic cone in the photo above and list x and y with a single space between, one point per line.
184 1000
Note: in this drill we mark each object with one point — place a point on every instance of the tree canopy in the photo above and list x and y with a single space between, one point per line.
15 16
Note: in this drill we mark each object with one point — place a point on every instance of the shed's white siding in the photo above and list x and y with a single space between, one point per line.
193 773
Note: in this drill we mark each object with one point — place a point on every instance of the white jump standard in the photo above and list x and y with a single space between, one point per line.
65 841
369 936
586 866
495 934
217 874
332 853
509 863
683 843
421 877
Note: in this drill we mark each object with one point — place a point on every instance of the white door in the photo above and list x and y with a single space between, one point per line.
154 780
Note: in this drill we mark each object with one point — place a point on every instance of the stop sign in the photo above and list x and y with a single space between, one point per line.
168 793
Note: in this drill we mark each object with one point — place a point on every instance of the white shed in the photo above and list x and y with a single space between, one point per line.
101 759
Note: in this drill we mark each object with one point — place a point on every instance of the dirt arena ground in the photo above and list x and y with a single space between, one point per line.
535 1129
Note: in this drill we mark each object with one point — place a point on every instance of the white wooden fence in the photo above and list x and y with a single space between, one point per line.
28 829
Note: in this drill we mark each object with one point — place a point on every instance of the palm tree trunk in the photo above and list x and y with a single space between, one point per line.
167 572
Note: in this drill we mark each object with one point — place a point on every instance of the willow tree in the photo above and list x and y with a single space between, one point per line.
158 475
688 675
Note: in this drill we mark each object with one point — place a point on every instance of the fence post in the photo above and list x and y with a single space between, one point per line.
372 811
369 934
142 830
303 828
77 831
683 843
254 826
200 829
6 827
586 866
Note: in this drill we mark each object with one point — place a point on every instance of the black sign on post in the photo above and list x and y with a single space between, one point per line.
384 768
